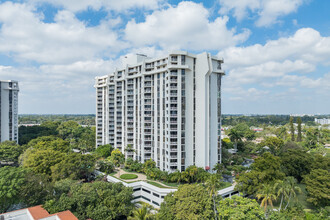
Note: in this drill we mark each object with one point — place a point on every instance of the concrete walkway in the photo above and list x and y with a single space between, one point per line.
141 177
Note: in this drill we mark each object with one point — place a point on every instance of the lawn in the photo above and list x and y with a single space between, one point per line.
302 197
156 184
128 176
224 185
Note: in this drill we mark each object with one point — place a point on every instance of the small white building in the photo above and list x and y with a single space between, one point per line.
9 110
322 121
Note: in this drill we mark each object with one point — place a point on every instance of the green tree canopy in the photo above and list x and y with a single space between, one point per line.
11 181
117 157
68 129
312 138
104 150
191 201
318 187
74 166
321 162
10 151
36 189
50 142
41 161
63 187
98 201
235 136
299 137
275 144
292 129
238 207
270 165
296 163
265 170
27 133
143 213
84 139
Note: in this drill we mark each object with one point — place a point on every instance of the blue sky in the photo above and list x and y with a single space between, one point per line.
276 52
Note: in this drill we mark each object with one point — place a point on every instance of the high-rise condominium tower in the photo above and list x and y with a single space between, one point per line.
166 109
9 110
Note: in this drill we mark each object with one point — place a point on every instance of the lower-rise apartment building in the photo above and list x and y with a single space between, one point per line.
167 109
8 110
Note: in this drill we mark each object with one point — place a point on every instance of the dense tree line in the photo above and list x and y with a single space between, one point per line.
88 119
46 171
43 169
260 120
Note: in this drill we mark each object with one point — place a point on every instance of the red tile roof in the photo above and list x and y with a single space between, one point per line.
38 212
65 215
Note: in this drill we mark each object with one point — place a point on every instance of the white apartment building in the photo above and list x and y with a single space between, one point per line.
322 121
9 110
167 109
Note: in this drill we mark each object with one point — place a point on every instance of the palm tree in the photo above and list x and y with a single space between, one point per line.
292 188
212 184
143 213
282 189
235 136
266 193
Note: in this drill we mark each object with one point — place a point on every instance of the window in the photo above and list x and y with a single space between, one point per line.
147 191
145 198
156 203
183 59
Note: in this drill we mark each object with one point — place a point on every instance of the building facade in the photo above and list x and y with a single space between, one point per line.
9 110
322 121
167 109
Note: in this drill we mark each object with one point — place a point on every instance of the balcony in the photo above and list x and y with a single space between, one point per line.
149 66
132 70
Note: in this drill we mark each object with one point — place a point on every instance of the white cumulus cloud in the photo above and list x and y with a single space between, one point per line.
266 11
114 5
186 26
24 36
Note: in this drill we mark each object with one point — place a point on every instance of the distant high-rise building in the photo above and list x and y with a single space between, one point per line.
167 109
9 110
